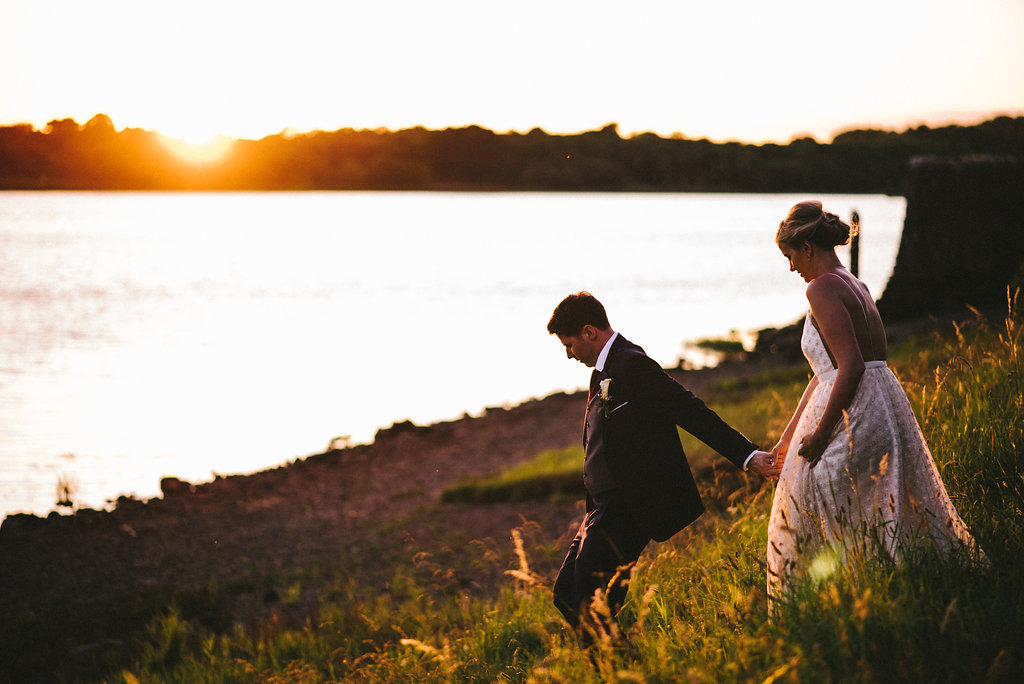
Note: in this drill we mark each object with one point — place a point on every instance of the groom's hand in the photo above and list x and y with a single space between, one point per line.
765 464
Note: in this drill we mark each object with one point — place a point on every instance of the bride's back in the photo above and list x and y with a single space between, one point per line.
867 323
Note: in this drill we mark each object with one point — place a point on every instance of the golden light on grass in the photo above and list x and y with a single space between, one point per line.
199 151
824 565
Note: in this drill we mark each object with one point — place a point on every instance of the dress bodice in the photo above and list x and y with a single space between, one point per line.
814 349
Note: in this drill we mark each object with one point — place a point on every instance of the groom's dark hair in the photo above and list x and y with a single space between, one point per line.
576 311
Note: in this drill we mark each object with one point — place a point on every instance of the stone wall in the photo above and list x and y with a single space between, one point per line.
963 238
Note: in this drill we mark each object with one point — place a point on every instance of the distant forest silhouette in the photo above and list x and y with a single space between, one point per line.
96 156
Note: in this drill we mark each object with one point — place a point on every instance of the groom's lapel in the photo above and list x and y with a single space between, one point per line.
595 387
619 344
595 383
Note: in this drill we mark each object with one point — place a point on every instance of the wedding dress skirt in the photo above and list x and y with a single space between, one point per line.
876 487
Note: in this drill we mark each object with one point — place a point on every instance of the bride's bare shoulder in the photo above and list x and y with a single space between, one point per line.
823 287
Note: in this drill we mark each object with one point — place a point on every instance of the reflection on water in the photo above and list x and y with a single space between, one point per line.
149 334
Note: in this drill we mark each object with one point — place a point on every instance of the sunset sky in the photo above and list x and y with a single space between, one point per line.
725 70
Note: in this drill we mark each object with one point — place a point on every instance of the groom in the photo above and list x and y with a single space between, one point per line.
639 485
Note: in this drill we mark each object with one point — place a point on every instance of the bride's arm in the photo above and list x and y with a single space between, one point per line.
836 329
782 447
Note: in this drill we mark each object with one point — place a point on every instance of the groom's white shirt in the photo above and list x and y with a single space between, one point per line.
602 358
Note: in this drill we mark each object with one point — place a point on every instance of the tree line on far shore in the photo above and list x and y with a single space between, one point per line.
95 156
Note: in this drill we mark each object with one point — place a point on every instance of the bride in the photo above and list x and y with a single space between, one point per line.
856 471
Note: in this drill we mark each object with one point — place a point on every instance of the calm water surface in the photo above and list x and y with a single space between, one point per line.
151 334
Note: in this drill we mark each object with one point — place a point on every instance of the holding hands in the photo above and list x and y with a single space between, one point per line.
766 463
770 463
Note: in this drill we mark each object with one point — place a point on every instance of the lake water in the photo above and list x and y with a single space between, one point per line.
152 334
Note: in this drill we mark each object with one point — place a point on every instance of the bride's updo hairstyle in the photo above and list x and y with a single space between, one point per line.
808 222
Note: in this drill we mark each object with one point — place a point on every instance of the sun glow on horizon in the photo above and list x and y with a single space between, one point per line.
199 150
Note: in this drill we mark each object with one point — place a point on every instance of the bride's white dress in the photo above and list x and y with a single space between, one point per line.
875 488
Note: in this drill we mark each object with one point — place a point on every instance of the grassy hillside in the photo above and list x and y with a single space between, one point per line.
698 608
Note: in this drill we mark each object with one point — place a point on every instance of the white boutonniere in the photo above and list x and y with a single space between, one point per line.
605 396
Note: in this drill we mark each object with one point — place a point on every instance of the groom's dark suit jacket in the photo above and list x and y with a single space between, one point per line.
635 451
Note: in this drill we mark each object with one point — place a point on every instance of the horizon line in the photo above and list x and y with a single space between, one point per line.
941 121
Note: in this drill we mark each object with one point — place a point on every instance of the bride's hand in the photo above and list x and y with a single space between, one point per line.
765 464
779 452
812 448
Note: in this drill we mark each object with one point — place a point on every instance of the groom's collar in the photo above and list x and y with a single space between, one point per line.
603 356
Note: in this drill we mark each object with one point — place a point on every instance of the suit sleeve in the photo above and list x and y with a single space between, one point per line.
666 400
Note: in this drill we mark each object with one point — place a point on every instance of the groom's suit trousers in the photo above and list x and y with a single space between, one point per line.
609 541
